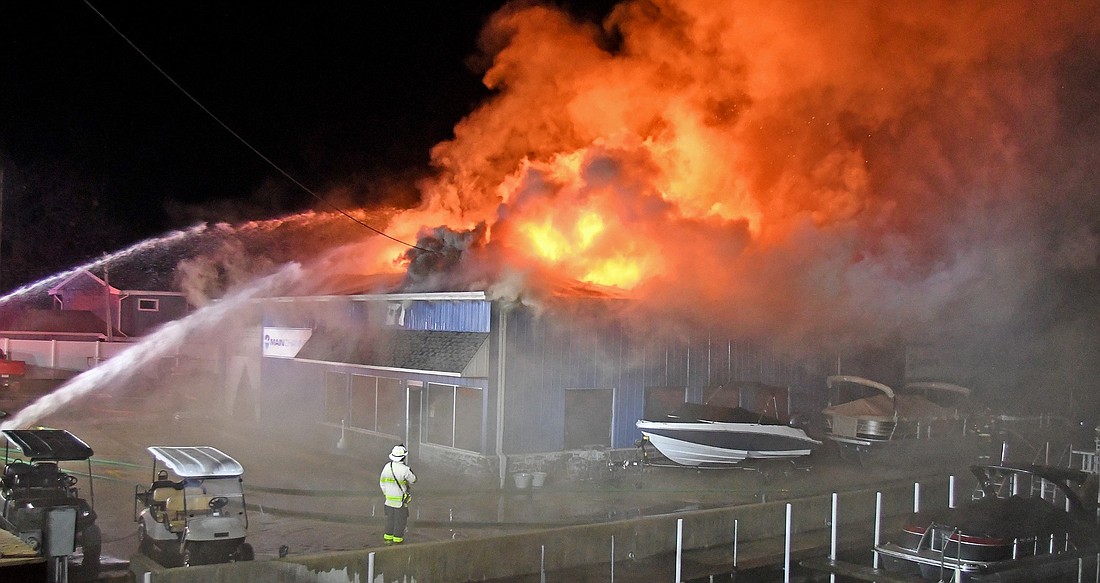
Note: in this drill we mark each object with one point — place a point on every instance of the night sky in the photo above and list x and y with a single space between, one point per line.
95 143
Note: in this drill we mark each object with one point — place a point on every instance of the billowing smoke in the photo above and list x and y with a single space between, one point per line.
438 261
833 174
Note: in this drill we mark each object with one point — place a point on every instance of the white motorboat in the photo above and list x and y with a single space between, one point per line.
695 435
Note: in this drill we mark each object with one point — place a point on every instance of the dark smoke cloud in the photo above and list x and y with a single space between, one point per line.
913 173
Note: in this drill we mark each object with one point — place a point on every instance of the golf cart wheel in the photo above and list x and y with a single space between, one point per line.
194 553
245 552
91 546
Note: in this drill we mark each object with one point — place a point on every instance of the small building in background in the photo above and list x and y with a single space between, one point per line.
132 313
22 323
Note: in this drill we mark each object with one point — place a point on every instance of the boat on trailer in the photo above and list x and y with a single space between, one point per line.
697 435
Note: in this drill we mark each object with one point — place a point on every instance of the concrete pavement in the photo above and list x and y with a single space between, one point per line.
307 496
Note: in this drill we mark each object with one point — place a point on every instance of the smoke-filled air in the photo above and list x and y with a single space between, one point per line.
817 176
802 172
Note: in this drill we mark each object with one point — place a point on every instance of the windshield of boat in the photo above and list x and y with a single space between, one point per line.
846 391
942 394
1007 482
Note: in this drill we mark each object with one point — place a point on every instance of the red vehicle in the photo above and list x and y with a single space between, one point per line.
11 370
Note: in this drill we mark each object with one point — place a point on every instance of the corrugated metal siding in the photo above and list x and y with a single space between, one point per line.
547 357
452 316
447 315
548 354
135 322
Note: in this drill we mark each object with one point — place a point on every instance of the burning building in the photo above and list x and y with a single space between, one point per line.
812 179
467 380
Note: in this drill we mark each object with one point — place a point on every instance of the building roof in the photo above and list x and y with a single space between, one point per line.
84 280
423 350
80 280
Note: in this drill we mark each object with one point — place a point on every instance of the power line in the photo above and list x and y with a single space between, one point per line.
238 136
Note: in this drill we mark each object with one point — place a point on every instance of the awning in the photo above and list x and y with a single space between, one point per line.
421 350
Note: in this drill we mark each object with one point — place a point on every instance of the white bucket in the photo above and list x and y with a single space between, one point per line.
538 479
523 480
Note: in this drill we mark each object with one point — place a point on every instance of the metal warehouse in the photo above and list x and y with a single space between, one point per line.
485 385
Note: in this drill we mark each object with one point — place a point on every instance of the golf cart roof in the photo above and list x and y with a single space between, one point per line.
55 445
197 461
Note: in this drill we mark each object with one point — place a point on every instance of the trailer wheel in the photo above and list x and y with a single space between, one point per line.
245 552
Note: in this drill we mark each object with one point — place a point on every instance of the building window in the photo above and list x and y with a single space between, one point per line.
469 407
391 407
439 426
377 404
148 305
588 417
336 397
455 416
364 402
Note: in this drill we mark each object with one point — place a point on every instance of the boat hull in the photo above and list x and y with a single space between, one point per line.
707 443
941 450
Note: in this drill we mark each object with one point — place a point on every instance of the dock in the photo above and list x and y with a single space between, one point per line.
19 561
681 546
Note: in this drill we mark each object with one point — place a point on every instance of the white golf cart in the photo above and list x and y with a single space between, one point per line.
198 518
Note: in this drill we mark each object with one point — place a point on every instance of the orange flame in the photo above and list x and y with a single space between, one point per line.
789 159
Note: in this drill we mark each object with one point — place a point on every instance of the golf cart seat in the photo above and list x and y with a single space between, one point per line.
16 467
162 493
15 474
157 496
24 475
173 512
176 514
45 475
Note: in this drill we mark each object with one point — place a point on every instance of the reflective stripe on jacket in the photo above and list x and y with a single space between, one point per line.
394 481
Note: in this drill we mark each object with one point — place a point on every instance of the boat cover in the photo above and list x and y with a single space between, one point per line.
55 445
879 407
197 461
695 412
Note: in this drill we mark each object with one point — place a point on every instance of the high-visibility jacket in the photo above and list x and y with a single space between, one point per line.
394 481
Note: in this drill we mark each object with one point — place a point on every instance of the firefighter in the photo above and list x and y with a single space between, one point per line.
395 482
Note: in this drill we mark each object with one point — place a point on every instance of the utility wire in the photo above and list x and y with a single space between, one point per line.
238 136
